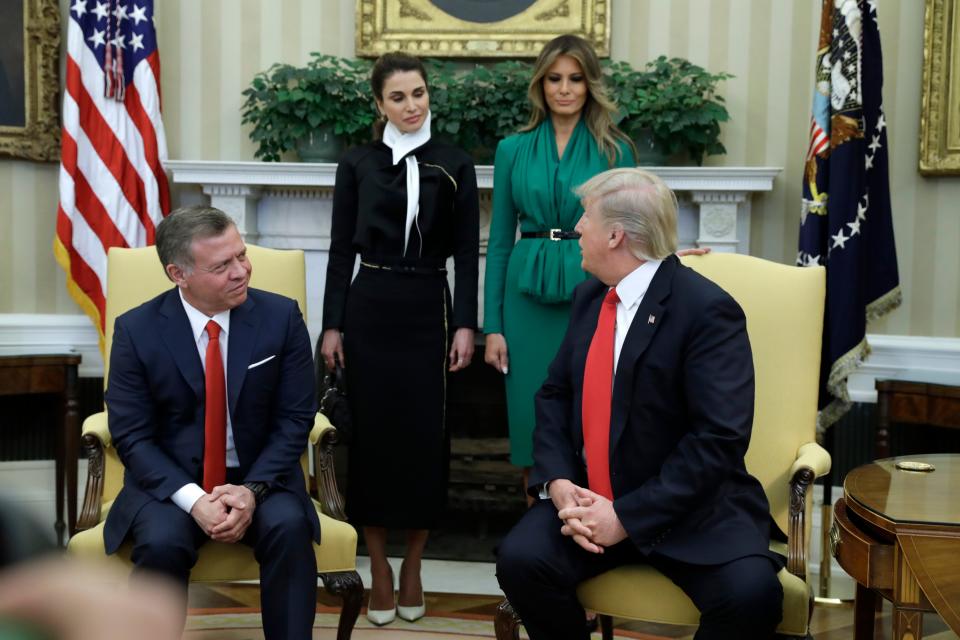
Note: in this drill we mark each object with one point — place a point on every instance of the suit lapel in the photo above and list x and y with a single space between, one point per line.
244 326
648 319
178 336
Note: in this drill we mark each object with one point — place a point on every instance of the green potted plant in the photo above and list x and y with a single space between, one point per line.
475 108
316 109
669 109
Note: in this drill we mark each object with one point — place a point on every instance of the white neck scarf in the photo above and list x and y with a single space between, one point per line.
401 144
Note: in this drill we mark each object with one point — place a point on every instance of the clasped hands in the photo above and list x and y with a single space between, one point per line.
225 513
588 517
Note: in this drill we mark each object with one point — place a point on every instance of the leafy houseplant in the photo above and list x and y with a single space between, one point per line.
288 104
476 108
674 102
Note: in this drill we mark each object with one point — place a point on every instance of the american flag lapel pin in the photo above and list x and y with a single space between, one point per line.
651 319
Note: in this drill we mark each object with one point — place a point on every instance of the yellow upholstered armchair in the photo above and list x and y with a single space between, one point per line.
133 277
784 310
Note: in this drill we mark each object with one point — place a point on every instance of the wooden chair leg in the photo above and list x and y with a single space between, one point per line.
606 626
348 586
506 622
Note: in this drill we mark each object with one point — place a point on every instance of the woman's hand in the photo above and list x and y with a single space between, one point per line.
693 252
495 354
461 351
332 346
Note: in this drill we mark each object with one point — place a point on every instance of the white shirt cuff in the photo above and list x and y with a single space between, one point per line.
187 495
545 490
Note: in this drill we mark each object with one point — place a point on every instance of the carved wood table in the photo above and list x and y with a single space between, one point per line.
897 533
24 372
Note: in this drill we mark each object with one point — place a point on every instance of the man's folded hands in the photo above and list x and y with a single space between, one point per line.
588 517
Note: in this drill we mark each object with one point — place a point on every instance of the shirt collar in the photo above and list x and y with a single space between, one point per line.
198 319
633 287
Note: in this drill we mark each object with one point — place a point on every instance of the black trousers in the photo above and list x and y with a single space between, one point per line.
539 569
166 540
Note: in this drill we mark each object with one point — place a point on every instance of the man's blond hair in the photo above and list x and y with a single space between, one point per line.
641 204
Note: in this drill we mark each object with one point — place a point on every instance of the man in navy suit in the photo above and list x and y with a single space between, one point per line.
210 401
642 426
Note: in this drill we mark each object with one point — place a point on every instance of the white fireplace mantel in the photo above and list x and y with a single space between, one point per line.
721 194
310 174
288 205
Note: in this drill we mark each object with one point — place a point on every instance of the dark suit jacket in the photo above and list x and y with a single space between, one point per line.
680 422
155 401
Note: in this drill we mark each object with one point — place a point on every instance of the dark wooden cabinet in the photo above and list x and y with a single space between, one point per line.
26 373
914 402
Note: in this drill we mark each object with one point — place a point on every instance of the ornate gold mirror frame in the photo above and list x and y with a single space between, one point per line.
940 110
30 64
467 29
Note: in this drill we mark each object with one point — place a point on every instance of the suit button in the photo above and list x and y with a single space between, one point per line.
195 460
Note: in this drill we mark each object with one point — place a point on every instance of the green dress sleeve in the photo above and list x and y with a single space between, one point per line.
503 236
625 158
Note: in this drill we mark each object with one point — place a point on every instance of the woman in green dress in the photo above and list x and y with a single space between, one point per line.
570 138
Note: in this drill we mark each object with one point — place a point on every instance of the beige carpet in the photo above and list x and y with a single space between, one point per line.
245 625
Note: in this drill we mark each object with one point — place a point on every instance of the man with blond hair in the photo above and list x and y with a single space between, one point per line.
642 426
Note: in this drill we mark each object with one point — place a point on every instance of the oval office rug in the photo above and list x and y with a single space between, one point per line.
245 624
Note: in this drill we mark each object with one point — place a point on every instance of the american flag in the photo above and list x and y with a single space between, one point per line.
113 191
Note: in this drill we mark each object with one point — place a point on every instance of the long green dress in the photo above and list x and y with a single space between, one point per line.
528 283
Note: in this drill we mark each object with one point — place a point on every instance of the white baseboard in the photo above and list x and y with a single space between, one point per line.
47 331
903 357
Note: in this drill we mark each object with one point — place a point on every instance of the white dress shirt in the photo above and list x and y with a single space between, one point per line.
630 290
188 494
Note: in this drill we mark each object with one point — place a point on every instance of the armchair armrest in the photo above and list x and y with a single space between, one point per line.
320 426
814 457
323 438
96 437
812 462
96 425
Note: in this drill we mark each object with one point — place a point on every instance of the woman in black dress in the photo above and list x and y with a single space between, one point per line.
405 203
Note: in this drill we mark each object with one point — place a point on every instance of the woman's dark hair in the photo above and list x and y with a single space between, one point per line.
385 66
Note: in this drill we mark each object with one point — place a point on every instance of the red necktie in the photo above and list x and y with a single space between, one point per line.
598 397
215 415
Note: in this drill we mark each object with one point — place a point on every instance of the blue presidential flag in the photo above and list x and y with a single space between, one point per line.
846 222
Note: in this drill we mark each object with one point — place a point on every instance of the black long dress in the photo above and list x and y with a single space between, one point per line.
397 322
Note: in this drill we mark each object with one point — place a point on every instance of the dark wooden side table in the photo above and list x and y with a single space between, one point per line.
897 533
935 402
26 372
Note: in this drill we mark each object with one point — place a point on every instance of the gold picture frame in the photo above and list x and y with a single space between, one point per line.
30 83
940 109
498 29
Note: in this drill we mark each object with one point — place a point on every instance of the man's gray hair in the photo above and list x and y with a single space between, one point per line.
641 204
176 233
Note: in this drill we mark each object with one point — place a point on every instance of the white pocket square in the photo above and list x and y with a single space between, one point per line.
257 364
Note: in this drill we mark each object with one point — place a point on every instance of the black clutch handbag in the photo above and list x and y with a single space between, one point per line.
333 402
